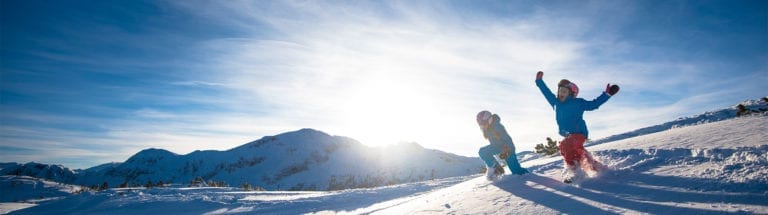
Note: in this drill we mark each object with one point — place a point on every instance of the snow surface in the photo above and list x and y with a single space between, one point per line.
755 107
710 168
19 192
233 200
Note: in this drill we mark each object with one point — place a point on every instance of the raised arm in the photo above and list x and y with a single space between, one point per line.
545 90
610 90
594 104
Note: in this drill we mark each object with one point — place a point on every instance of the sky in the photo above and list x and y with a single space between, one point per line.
84 83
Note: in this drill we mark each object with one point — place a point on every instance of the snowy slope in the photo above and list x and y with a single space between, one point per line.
753 106
20 192
712 168
719 167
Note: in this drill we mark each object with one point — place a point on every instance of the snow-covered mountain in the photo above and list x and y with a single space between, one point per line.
57 173
711 168
301 160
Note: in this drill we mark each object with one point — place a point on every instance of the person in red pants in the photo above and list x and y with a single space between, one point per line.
569 114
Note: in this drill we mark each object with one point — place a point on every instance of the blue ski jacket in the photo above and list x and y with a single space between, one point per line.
570 113
498 136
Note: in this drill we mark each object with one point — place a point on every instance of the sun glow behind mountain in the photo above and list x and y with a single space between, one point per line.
383 106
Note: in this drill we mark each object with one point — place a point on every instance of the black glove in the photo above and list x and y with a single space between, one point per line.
611 89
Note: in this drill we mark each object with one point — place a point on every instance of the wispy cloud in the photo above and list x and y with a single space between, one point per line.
415 76
435 68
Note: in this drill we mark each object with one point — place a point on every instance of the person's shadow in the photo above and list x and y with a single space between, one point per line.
626 191
519 186
648 187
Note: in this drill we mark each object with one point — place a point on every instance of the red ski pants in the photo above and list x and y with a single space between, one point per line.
572 149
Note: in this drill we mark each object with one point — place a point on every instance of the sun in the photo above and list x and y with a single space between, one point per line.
387 111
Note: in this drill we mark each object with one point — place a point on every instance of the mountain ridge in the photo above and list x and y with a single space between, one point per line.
306 159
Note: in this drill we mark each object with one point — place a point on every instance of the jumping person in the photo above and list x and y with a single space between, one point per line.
569 111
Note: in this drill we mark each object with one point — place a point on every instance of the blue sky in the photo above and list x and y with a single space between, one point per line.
89 82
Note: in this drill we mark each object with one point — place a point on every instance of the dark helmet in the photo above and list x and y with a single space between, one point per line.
570 85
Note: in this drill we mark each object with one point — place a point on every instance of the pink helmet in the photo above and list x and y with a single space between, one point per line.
570 85
484 118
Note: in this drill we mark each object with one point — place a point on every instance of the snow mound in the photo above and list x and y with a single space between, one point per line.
744 169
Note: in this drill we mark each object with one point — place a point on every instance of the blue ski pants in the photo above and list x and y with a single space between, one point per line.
487 152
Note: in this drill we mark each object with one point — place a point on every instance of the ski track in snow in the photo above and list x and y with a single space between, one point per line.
713 168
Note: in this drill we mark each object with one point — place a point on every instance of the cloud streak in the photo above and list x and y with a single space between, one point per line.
417 78
455 65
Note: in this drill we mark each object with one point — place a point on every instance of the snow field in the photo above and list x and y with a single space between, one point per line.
234 200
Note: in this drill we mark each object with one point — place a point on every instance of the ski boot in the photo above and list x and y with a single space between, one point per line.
569 173
494 173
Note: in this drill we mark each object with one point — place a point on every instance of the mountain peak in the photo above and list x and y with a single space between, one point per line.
155 151
304 136
305 132
150 155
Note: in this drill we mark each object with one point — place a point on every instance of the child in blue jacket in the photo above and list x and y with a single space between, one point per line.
500 144
569 112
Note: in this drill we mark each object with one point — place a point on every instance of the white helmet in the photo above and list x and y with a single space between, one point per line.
484 118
